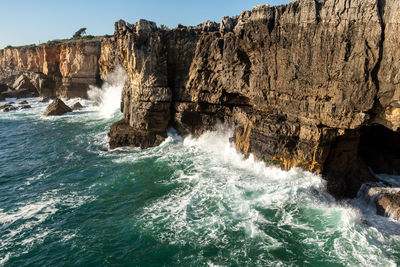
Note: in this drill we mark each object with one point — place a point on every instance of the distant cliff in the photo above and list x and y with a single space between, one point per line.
61 69
313 84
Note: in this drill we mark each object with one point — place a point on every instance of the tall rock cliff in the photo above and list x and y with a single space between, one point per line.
313 84
63 69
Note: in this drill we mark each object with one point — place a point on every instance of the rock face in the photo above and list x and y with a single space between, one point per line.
301 84
312 84
22 88
61 69
57 108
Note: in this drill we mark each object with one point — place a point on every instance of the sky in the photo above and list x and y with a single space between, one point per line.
25 22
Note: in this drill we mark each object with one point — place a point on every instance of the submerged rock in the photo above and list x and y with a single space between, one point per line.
77 106
23 102
56 108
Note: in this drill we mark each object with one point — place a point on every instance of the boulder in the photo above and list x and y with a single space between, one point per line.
23 102
57 108
77 106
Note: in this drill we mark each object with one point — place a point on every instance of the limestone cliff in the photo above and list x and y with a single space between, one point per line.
309 84
61 69
313 84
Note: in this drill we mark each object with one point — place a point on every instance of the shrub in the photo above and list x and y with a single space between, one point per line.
78 33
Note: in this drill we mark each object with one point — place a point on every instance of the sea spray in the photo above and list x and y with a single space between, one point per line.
109 95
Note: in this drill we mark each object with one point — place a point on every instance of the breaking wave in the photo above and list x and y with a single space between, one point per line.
108 96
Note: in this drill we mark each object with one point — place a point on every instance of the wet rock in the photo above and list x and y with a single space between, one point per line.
122 134
96 104
77 106
8 107
385 198
25 107
389 205
23 102
56 108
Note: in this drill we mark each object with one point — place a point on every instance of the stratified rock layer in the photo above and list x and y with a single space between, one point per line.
299 83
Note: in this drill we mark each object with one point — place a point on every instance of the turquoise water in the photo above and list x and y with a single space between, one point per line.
68 201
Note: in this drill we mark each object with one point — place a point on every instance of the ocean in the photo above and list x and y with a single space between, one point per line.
66 200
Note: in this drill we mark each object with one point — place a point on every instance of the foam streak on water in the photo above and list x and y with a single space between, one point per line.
66 200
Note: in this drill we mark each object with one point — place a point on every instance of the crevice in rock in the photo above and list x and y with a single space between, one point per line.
374 73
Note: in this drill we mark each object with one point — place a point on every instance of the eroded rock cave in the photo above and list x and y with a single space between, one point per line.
379 148
356 155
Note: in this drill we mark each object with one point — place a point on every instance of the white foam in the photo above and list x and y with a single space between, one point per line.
221 191
109 95
28 218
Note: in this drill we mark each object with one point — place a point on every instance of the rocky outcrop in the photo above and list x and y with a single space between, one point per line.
21 88
64 69
57 108
386 200
300 84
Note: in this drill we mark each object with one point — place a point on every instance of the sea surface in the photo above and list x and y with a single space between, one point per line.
66 200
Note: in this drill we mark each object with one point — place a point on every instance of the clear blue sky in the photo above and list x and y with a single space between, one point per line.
30 21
